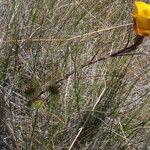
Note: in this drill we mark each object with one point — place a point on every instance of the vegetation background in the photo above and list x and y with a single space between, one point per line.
51 98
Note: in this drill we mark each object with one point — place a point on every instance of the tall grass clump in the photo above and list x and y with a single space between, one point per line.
56 92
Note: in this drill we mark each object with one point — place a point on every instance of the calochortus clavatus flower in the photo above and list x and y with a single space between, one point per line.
141 17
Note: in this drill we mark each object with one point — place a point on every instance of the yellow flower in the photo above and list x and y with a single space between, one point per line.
142 18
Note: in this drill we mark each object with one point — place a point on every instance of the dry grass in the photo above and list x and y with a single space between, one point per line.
105 105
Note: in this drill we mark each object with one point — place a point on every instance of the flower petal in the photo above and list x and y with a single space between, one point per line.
142 18
142 9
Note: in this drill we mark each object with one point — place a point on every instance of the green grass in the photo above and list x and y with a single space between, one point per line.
45 50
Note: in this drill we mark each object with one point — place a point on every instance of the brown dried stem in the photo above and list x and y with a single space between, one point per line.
123 52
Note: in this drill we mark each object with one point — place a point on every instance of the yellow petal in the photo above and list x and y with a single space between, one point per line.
143 32
142 9
142 18
142 22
